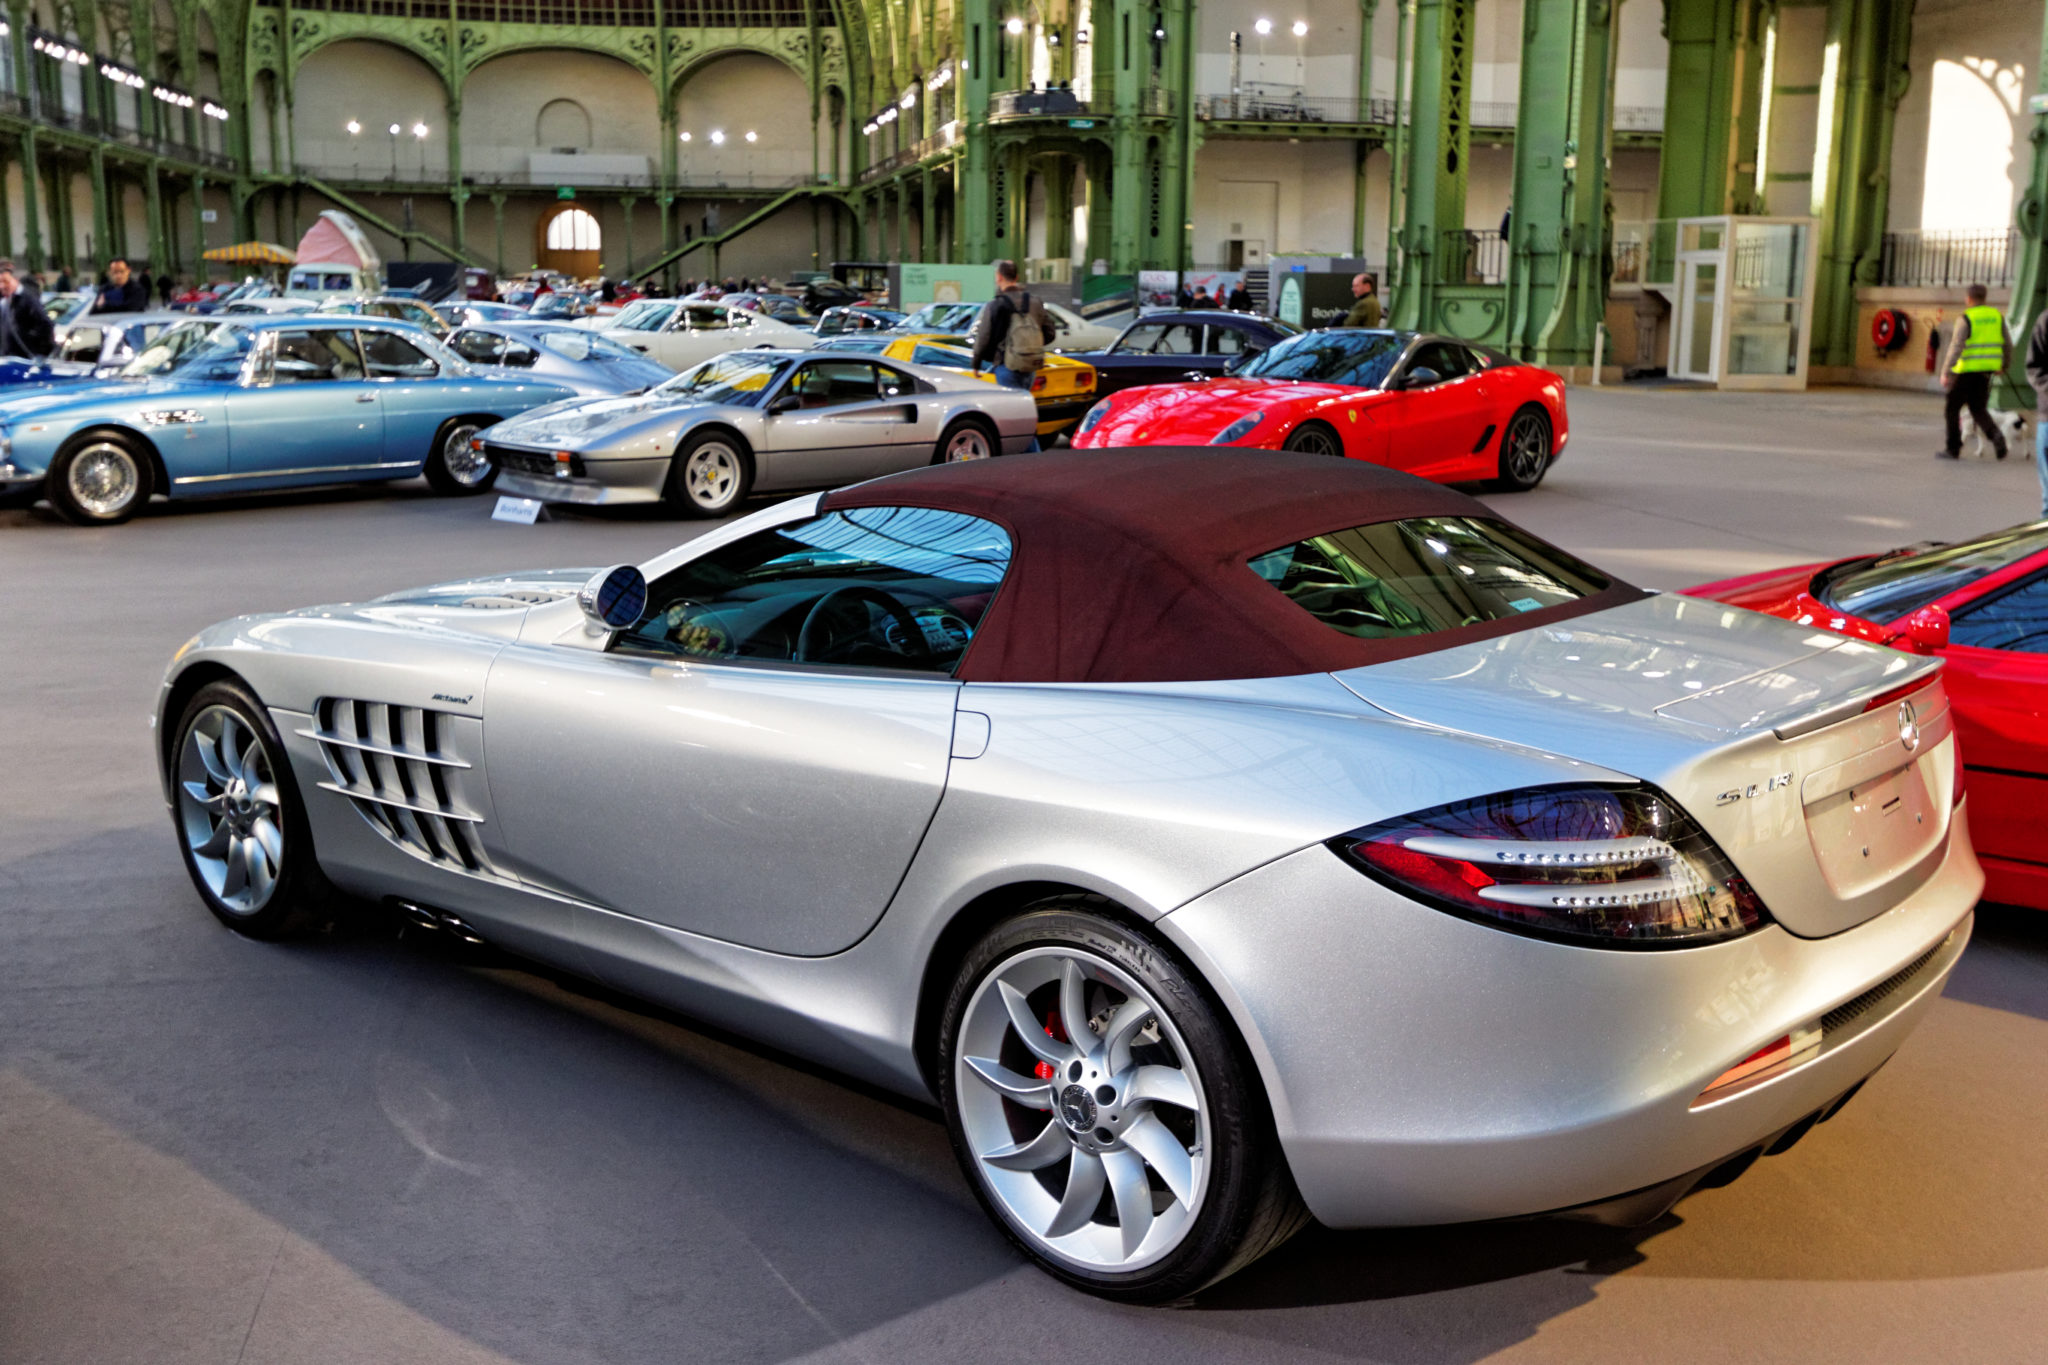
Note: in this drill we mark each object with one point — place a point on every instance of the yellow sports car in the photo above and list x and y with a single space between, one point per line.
1064 389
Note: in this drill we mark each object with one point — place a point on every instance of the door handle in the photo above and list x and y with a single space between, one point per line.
366 398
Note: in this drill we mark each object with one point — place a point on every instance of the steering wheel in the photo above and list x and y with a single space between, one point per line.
812 634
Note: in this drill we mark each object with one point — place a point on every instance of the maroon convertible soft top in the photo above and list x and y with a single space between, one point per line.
1134 565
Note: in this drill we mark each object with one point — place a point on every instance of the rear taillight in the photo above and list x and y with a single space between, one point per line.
1038 383
1613 867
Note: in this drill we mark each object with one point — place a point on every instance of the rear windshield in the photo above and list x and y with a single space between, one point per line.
1425 575
1890 586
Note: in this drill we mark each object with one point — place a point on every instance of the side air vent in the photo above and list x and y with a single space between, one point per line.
391 762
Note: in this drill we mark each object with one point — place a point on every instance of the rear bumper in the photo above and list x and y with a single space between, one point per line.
1423 1069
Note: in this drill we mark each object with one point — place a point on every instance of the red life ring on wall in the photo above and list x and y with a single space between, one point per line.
1890 330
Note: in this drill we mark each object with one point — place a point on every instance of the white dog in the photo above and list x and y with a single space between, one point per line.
2012 424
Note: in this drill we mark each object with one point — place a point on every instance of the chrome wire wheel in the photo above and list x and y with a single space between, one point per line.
103 479
1082 1109
711 475
229 810
967 442
466 465
1525 450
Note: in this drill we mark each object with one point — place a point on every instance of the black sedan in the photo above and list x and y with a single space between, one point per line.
1162 348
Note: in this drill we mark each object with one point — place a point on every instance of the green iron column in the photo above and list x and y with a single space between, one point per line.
1711 53
1368 10
7 214
1441 141
498 225
153 210
31 175
2030 277
928 243
198 227
1867 42
1557 290
626 203
975 201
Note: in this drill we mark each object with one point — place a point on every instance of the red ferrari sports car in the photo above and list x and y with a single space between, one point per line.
1983 606
1429 405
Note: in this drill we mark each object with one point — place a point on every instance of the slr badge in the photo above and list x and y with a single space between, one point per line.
1909 726
1754 790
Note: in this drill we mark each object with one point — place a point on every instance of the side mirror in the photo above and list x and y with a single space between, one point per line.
614 598
1237 362
1925 631
1421 377
787 402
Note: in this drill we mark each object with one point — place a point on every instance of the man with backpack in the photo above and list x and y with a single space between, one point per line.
1011 333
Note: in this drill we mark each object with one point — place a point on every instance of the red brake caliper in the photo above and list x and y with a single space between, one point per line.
1056 1031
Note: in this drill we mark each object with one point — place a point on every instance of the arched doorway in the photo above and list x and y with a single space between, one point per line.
570 242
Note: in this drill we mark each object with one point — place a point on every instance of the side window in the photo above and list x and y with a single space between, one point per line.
83 344
901 588
933 355
702 320
479 348
337 282
1226 341
2016 619
1182 338
312 357
1447 360
833 384
893 383
391 356
1140 340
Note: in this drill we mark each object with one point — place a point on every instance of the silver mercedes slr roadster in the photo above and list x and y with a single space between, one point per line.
757 420
1221 838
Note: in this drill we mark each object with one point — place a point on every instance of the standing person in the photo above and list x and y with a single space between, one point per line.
2037 374
1201 298
24 326
64 284
1240 298
1011 333
166 287
1365 307
1977 351
122 293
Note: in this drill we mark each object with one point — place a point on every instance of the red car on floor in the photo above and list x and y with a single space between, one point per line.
1983 606
1429 405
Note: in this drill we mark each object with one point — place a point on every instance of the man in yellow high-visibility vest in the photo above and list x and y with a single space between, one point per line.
1976 354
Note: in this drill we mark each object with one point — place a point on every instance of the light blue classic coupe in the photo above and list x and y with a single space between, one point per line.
217 405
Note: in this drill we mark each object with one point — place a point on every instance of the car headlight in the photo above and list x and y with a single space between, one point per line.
1238 430
1095 415
1602 867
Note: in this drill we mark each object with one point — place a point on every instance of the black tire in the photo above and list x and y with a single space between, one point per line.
710 475
299 898
1524 450
99 478
965 434
1314 438
1248 1206
452 468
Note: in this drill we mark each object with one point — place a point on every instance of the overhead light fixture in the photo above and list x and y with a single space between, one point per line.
395 130
718 137
354 127
1301 28
1263 27
685 136
909 101
1015 26
753 136
419 130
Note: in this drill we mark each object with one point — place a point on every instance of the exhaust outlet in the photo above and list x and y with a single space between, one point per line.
418 915
440 921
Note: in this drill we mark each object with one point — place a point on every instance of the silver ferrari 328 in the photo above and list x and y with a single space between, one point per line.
1221 838
753 421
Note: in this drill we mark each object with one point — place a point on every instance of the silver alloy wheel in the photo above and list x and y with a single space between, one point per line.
229 810
1528 443
1119 1108
1314 441
711 475
970 442
103 478
467 466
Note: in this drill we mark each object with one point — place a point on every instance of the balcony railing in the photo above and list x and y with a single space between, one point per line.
1472 256
947 136
1256 102
692 182
1948 259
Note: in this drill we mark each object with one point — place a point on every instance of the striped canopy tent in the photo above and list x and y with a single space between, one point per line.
251 253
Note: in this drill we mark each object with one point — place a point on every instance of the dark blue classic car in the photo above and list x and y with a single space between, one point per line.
1164 348
232 405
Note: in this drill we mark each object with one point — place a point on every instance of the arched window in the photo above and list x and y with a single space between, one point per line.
573 230
563 126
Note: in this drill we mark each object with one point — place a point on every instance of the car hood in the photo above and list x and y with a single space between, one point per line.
493 606
1703 700
581 423
1168 414
48 402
